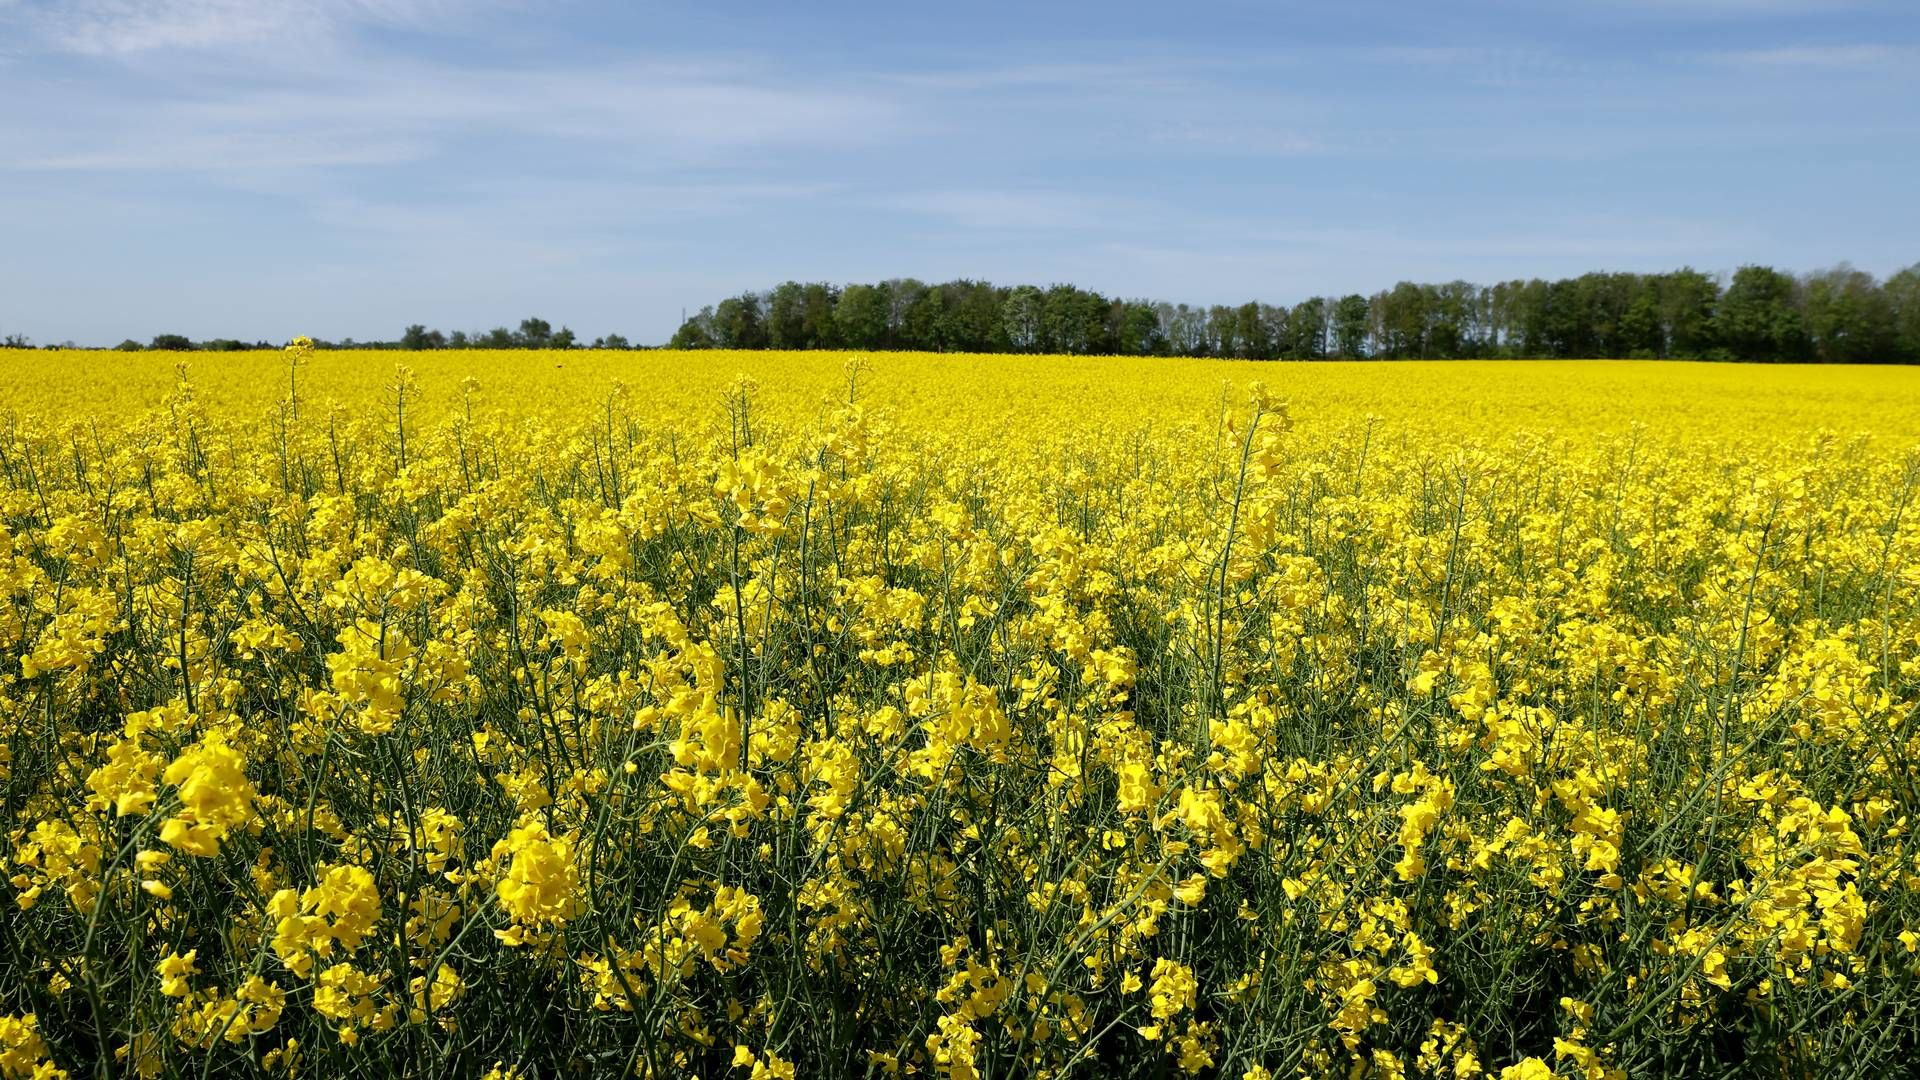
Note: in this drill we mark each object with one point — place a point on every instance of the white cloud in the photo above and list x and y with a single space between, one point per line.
1133 77
1021 210
1240 140
370 115
1738 7
1820 56
120 27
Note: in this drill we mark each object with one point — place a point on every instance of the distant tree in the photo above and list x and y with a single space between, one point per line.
1223 337
500 338
1273 330
129 345
1020 317
817 327
1687 299
1352 323
1306 329
1849 318
171 342
1454 327
1403 320
1583 316
1183 327
737 323
562 339
15 341
695 333
458 340
1840 315
1140 330
1253 331
612 341
908 323
1529 318
919 317
787 316
1073 321
534 334
861 316
1640 336
1554 325
1757 320
966 317
1903 303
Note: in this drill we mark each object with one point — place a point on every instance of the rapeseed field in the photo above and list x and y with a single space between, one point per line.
552 714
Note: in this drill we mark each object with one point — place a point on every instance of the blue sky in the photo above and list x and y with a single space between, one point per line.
344 167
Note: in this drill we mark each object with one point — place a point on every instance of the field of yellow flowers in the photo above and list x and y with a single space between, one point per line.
620 714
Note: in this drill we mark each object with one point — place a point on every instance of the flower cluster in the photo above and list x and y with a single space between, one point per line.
956 717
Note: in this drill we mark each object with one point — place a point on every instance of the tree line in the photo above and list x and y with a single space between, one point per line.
534 333
1758 313
1842 315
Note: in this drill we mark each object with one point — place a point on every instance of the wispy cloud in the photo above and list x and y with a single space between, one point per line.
672 113
604 162
1737 8
1504 67
1240 140
1130 77
1022 210
601 208
1864 56
119 27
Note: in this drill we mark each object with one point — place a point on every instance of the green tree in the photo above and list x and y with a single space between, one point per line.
1403 313
817 327
1639 331
1306 330
970 317
419 337
786 316
1184 328
738 324
1140 330
922 319
1020 315
1757 318
1253 328
1352 325
1849 318
1223 331
1902 291
862 315
1687 299
1453 320
534 333
695 333
1073 321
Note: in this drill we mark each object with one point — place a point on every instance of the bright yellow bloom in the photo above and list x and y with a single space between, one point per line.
215 796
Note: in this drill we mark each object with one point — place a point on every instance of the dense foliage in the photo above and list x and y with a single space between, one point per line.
1838 316
955 717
